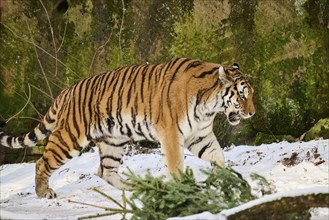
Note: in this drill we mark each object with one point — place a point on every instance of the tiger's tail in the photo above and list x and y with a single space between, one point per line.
30 139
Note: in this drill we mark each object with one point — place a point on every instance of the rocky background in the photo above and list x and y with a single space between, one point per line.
281 45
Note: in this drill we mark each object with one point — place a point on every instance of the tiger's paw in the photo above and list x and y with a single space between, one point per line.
47 193
116 181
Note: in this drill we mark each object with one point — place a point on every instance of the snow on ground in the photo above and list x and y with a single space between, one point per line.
302 165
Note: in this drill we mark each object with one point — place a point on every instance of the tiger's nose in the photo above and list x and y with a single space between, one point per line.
251 114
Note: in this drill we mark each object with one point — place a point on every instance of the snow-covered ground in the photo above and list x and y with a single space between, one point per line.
301 166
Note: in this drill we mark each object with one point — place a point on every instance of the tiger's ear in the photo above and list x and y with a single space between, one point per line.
222 74
235 66
223 77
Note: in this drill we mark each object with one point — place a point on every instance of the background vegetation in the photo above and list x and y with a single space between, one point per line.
281 45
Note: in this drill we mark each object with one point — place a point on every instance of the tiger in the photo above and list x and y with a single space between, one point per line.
174 104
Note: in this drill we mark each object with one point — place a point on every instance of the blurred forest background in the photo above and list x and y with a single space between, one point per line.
281 45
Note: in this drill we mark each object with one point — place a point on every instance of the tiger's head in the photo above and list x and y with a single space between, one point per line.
237 95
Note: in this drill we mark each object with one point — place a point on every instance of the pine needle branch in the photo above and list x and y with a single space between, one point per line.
108 197
98 215
183 195
88 204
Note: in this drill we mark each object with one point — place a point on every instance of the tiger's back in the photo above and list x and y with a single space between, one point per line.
130 102
173 103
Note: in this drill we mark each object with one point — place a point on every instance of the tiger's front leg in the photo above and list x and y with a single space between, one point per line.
111 153
208 149
171 144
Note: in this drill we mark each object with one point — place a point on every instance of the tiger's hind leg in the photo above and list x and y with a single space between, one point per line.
59 150
111 153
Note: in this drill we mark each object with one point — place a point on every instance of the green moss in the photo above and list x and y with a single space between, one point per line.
36 150
262 138
319 130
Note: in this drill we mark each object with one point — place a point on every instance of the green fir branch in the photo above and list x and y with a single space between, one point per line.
223 188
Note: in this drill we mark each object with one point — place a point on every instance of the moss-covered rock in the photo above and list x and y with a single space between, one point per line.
319 130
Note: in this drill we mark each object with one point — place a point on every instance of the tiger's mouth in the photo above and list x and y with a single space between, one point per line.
234 118
244 115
